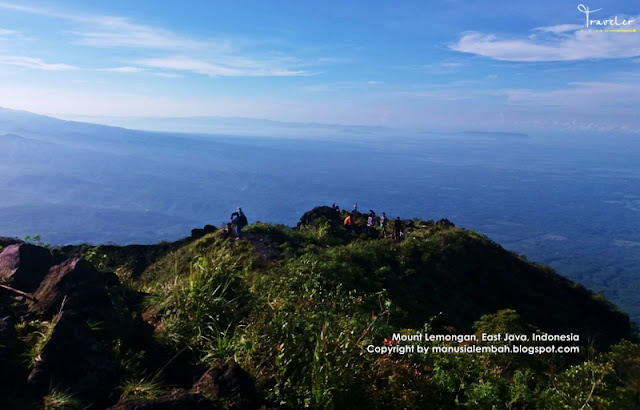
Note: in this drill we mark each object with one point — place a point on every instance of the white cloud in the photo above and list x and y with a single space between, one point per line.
443 67
560 28
168 75
215 57
111 32
230 67
34 63
124 69
554 43
372 82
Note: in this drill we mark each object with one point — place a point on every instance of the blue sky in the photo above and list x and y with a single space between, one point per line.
490 65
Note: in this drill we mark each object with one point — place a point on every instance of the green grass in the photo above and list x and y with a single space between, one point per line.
61 400
306 317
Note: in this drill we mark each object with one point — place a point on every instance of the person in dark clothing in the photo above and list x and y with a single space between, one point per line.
397 226
239 220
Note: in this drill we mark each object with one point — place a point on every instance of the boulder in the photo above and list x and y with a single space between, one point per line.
230 383
8 342
318 213
197 233
445 223
178 401
24 265
80 283
6 241
200 232
74 359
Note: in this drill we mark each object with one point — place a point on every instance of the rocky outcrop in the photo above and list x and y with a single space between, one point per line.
77 282
180 401
8 342
445 223
24 265
200 232
6 241
318 213
229 383
75 360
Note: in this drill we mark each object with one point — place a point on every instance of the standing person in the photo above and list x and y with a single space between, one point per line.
383 224
397 226
355 207
371 218
239 220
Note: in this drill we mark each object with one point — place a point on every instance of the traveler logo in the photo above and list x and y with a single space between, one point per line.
610 25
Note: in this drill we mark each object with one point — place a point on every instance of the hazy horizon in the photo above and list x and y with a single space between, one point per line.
491 66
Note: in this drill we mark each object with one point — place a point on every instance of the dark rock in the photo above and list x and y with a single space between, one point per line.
321 213
445 223
265 383
58 256
110 278
197 233
180 401
82 285
368 231
8 342
6 241
74 359
200 232
230 383
25 265
408 223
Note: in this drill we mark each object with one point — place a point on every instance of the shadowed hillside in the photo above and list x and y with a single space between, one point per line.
293 317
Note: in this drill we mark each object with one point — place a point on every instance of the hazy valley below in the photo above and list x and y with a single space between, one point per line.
573 204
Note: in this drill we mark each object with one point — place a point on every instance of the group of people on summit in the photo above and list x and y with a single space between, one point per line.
239 221
378 221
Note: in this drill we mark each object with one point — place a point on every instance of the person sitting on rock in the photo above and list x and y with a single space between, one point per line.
228 231
347 220
239 220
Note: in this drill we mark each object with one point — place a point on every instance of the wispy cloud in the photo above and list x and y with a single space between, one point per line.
34 63
559 28
168 75
5 32
214 57
229 67
554 43
111 32
124 69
